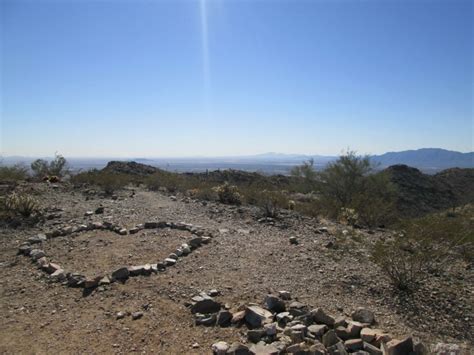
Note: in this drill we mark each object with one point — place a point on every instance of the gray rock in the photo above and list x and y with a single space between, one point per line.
284 295
121 274
75 280
173 256
284 317
371 349
88 213
120 315
104 281
342 333
270 329
363 315
161 266
238 349
274 303
337 349
122 231
35 254
39 238
354 344
317 329
293 241
398 347
204 304
255 335
255 316
263 349
134 230
25 250
92 282
330 338
195 242
297 309
58 275
354 329
220 348
137 315
319 316
50 267
170 262
206 319
224 318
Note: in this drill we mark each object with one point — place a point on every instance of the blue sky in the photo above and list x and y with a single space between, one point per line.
184 78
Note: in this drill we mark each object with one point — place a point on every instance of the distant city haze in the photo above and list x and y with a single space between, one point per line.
234 78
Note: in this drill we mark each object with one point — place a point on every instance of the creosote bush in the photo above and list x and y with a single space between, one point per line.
424 247
13 173
57 167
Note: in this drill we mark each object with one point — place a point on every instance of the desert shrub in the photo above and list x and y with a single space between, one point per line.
108 182
349 216
21 204
228 194
56 167
306 172
423 247
13 173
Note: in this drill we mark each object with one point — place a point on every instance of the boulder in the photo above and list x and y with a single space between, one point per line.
274 303
255 316
363 315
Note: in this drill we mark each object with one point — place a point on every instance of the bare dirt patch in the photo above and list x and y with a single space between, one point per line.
99 252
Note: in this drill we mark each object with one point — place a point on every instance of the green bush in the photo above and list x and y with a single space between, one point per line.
108 182
57 167
13 173
424 246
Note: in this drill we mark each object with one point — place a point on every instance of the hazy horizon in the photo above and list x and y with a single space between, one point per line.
218 78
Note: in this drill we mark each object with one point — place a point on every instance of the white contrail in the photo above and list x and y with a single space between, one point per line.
205 58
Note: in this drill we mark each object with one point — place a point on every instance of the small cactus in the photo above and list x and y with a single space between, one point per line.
21 204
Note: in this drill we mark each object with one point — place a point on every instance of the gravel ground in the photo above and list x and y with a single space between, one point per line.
245 260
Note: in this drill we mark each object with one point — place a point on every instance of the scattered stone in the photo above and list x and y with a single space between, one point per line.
25 250
238 349
122 231
50 268
284 295
195 242
330 338
99 210
121 274
224 318
88 213
297 309
170 262
275 304
104 281
205 319
39 238
256 316
220 348
354 344
255 335
58 275
354 329
321 317
238 317
134 230
317 329
120 315
92 282
137 315
75 280
371 349
363 315
204 304
368 334
293 241
35 254
173 256
264 349
270 329
398 347
213 293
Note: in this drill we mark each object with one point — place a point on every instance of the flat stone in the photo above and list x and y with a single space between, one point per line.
206 319
264 349
371 349
256 316
297 308
284 317
173 256
122 231
363 315
75 280
368 334
88 213
317 329
50 267
195 242
134 230
354 344
92 282
319 316
170 262
398 347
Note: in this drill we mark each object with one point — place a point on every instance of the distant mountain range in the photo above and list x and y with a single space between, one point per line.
429 160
